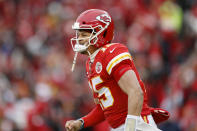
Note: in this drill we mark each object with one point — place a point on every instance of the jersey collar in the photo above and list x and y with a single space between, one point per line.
92 56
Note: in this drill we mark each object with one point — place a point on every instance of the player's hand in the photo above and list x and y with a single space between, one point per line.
73 125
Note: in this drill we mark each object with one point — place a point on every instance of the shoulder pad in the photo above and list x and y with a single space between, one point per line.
108 47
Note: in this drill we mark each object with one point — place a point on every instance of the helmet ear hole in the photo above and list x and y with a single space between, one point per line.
83 22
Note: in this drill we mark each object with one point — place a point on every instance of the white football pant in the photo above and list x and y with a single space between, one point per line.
142 126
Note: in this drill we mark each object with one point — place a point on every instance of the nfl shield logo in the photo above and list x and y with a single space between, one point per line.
98 67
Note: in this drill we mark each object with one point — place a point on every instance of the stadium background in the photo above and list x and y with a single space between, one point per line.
38 92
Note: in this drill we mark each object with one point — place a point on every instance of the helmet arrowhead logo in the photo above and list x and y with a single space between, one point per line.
105 18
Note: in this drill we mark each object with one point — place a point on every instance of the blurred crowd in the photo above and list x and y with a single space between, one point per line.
38 91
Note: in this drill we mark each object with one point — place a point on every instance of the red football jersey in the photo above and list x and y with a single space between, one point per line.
103 81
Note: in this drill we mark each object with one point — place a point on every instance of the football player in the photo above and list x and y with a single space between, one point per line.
118 91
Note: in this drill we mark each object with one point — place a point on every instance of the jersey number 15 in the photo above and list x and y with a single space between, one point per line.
104 94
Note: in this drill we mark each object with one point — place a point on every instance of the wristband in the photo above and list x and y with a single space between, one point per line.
82 125
131 123
133 117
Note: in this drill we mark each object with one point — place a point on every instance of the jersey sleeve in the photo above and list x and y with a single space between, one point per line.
117 61
94 117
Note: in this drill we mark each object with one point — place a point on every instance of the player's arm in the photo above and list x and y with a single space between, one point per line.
119 64
94 117
129 84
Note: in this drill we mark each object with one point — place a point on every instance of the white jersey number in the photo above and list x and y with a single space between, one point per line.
104 94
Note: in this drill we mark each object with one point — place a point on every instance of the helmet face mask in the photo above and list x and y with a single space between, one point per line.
90 40
80 44
101 26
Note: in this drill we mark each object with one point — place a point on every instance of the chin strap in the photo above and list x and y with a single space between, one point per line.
74 61
89 53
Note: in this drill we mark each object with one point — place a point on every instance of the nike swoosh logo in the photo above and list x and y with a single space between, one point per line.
112 50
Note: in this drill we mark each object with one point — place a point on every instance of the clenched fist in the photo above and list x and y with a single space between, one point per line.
73 125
